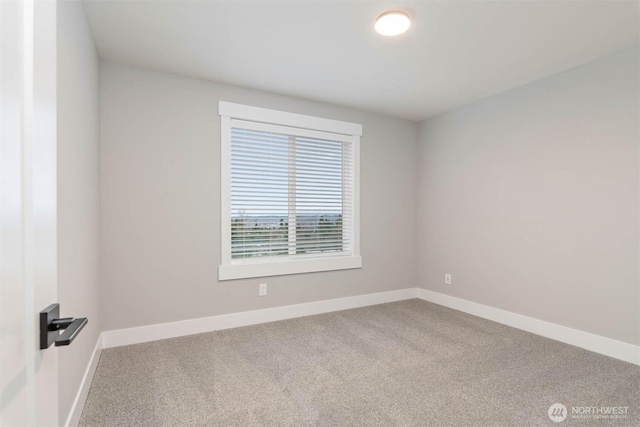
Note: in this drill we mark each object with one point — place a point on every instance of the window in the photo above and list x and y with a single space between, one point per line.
290 201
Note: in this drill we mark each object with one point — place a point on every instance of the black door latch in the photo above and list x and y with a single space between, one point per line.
51 324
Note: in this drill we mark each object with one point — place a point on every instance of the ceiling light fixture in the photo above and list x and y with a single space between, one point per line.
392 23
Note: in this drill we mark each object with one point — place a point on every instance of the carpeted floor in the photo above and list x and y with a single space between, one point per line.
410 363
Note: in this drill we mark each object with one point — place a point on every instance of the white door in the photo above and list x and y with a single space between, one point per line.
28 375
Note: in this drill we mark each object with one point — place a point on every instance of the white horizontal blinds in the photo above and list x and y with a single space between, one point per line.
291 192
259 198
323 205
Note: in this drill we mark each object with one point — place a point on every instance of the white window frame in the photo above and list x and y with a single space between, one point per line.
266 266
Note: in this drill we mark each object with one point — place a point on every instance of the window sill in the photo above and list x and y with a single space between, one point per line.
279 268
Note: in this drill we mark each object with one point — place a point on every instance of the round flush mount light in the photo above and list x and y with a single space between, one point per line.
392 23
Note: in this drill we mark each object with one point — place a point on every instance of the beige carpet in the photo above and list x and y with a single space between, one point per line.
409 363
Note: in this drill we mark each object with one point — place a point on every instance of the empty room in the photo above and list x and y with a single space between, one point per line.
319 213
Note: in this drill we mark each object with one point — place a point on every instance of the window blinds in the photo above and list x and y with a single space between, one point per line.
291 192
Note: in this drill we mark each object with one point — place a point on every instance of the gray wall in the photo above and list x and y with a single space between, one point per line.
160 156
78 193
530 199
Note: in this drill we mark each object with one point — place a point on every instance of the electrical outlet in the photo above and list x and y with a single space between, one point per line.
447 279
263 289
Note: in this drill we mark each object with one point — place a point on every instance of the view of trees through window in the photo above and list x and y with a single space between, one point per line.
269 236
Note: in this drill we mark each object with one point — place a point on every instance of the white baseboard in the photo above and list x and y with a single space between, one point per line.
596 343
78 404
142 334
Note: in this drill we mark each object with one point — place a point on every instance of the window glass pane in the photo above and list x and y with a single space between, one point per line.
259 194
319 191
290 195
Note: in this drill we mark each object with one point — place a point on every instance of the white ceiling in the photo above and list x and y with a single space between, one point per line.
455 52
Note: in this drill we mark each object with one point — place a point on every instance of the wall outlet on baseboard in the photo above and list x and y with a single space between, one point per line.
447 279
263 289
